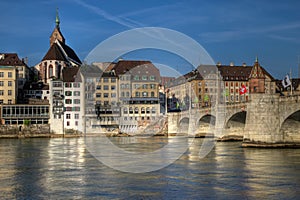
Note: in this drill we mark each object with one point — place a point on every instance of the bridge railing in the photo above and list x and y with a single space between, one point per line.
290 98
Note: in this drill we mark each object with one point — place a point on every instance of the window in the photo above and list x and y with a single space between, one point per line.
68 116
1 83
98 87
125 111
9 74
152 94
152 78
113 87
136 86
113 95
1 92
68 93
136 110
144 78
105 80
127 94
113 80
76 123
143 110
130 110
153 110
68 108
145 94
68 123
105 87
9 93
76 108
68 85
136 77
152 86
137 94
9 101
122 86
76 85
147 110
1 74
57 84
145 86
76 116
105 95
76 93
98 95
9 83
76 101
68 101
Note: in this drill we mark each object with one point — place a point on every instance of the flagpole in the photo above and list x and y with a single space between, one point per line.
291 81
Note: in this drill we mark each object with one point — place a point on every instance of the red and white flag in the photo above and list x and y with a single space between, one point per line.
243 89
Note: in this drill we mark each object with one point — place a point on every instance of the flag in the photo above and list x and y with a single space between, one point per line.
286 81
243 89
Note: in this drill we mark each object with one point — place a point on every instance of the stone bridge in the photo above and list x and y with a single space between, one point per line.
267 119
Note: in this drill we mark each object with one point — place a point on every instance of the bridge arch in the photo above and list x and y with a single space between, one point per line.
184 125
291 125
236 120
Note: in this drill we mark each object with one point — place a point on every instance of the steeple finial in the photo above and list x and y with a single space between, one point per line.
57 22
256 59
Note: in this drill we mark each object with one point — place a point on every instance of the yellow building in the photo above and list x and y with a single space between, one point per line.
8 85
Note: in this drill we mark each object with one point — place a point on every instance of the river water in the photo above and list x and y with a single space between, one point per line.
63 168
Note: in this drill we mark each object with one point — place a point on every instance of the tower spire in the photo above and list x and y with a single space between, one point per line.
57 21
256 59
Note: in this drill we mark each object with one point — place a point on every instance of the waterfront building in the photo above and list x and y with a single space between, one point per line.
58 57
200 85
90 76
18 114
138 94
67 102
13 75
35 90
107 101
8 85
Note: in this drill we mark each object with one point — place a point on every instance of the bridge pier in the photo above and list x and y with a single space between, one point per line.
262 127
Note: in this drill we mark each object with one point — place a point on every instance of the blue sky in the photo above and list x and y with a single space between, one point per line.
230 31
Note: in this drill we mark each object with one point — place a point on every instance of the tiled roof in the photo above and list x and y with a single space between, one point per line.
10 59
70 52
257 71
70 74
56 52
136 68
235 73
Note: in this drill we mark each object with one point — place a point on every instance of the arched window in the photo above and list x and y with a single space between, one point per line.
153 110
143 110
130 110
125 110
148 110
137 94
136 110
152 94
50 71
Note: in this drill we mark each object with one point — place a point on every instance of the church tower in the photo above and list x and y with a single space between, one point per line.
56 34
257 79
58 57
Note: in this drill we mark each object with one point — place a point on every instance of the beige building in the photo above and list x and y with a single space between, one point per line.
203 85
8 85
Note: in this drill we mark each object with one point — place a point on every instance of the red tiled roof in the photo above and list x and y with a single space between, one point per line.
55 52
136 67
69 74
10 59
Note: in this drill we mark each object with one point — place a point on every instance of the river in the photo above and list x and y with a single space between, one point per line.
64 168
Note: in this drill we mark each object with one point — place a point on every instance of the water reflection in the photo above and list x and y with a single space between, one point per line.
273 173
64 169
